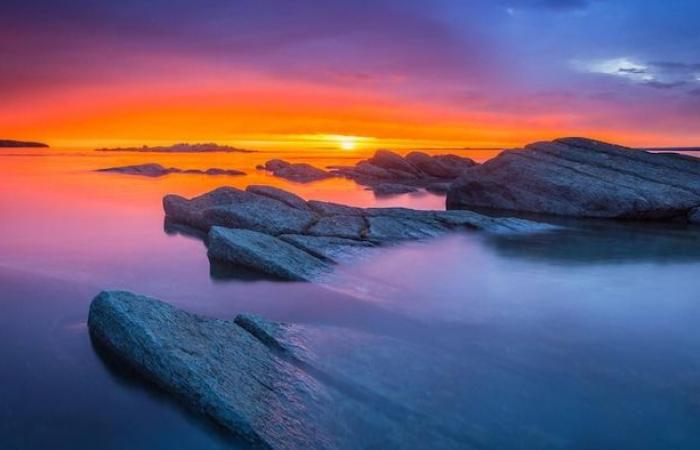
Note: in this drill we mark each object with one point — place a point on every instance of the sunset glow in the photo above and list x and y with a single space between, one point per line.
241 79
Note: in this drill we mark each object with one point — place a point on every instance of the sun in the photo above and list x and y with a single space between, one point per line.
347 144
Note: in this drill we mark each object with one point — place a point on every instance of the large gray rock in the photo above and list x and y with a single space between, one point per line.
582 178
279 234
286 386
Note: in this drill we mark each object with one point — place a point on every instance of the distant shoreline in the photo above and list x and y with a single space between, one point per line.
179 148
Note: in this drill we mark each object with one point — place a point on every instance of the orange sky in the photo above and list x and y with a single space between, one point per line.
253 111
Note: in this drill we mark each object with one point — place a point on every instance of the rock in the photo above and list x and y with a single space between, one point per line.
264 253
351 227
234 208
285 386
387 173
439 187
157 170
296 241
441 166
299 172
328 248
393 189
389 160
582 178
283 196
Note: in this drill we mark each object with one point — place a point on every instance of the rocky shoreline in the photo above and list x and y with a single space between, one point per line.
274 385
277 233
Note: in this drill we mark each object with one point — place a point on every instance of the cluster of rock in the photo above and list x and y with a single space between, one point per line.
297 172
180 148
386 173
276 385
584 178
389 173
279 234
20 144
157 170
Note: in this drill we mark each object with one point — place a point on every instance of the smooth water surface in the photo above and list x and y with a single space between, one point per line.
585 338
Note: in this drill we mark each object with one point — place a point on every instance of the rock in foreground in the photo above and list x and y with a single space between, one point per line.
279 234
281 386
157 170
583 178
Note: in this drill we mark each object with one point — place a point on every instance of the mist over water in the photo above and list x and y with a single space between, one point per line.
582 338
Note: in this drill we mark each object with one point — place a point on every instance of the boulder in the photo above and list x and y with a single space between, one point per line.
298 172
234 208
582 178
286 386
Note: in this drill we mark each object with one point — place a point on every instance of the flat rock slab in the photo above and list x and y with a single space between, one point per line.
157 170
283 386
279 234
582 178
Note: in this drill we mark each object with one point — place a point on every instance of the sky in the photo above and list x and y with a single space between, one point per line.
340 74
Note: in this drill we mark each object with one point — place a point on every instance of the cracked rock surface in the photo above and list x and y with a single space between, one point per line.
583 178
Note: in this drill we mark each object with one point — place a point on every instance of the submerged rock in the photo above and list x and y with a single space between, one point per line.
285 386
293 239
299 172
582 178
157 170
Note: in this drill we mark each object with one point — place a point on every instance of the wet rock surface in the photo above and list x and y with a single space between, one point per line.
157 170
283 386
583 178
279 234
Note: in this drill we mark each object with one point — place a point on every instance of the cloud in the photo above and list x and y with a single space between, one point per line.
657 75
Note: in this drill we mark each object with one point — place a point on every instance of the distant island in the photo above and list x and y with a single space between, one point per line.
9 143
179 148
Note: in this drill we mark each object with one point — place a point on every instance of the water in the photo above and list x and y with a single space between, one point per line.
585 338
